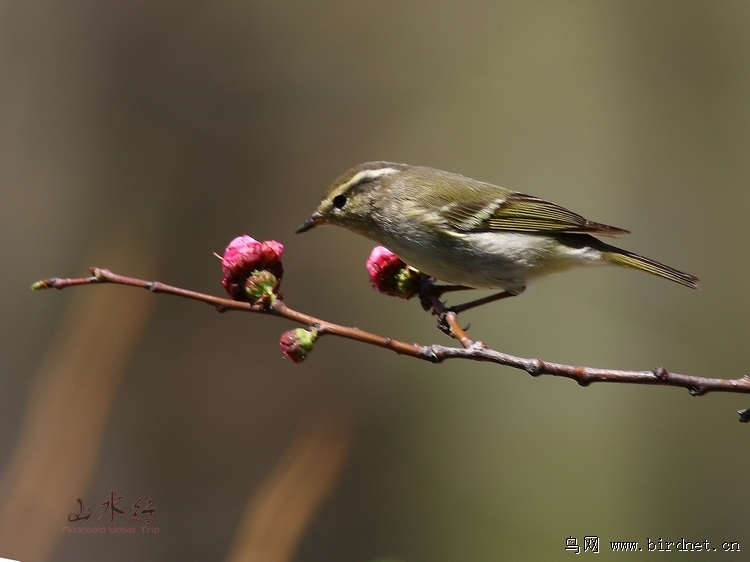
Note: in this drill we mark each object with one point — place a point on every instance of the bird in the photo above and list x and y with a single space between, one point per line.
471 233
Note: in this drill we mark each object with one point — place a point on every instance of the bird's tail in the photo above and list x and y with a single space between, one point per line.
618 256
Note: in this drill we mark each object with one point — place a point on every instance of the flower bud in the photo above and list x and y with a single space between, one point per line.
246 258
297 344
391 276
261 286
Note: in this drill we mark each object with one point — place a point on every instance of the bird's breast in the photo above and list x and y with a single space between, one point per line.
487 260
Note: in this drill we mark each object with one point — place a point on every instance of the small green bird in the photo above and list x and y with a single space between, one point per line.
468 232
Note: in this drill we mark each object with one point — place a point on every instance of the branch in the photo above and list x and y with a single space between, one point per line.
470 349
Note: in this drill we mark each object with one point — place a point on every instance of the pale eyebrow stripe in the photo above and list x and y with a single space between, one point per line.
367 175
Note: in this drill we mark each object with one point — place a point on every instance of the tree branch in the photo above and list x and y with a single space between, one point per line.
448 322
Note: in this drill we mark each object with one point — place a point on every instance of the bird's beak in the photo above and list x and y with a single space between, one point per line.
315 219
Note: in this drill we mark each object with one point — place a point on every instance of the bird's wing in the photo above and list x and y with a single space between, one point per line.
521 213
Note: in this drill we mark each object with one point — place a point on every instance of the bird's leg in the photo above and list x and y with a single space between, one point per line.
429 290
430 298
479 302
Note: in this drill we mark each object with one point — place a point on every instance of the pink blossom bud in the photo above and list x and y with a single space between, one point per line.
391 276
297 344
246 257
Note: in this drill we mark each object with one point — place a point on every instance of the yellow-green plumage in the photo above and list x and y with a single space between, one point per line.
468 232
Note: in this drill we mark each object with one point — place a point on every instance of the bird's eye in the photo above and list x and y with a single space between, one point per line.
339 201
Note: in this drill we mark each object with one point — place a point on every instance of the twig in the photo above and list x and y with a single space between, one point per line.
472 350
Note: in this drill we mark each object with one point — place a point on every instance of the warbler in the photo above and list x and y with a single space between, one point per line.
471 233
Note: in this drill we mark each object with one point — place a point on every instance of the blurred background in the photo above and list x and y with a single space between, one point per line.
144 136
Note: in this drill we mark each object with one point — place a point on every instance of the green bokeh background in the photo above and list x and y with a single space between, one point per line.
194 122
